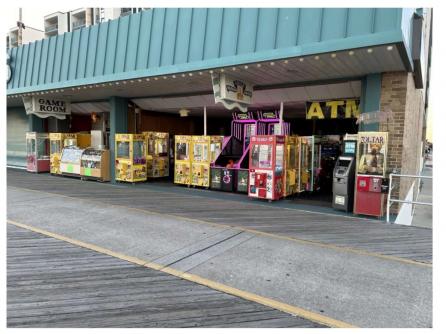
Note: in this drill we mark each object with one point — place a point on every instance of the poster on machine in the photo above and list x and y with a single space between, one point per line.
372 153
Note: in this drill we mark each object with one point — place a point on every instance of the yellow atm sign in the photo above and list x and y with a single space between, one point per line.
333 109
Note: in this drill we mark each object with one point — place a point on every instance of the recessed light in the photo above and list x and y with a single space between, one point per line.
285 61
200 73
369 50
222 70
272 63
316 57
246 67
351 53
259 65
301 59
183 75
234 68
333 55
390 48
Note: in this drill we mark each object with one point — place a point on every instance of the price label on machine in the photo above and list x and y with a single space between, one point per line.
340 200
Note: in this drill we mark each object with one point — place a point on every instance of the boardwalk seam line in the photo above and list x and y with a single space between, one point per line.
266 234
294 310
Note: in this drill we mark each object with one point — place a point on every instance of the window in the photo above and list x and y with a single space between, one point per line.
261 156
123 149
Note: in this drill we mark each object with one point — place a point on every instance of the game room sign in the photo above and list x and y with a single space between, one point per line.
45 107
333 109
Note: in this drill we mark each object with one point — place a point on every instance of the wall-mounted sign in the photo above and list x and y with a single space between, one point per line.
46 107
232 92
333 109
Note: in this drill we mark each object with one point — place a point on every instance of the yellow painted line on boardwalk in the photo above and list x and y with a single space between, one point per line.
245 229
291 309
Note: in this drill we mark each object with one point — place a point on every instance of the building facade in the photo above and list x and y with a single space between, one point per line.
141 68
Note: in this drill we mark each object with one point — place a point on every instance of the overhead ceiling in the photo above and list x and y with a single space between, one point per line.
312 70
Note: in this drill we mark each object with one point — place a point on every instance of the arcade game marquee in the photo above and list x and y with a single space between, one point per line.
266 167
37 152
130 161
371 160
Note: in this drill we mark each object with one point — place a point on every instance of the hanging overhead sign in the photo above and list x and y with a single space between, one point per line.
46 107
232 92
333 109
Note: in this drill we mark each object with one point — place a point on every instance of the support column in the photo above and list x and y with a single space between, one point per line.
118 124
370 98
35 123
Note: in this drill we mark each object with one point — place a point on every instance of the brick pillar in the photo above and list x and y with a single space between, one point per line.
399 95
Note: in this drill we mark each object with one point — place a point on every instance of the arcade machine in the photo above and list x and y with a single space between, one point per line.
70 161
37 152
344 177
266 170
205 149
370 172
57 142
182 173
291 165
309 163
83 140
95 164
157 155
229 172
130 161
269 124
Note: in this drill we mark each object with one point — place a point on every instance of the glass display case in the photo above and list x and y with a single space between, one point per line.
266 167
182 160
157 155
309 163
37 152
291 165
70 161
130 161
57 142
95 164
204 152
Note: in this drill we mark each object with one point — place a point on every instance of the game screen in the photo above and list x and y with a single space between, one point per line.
349 147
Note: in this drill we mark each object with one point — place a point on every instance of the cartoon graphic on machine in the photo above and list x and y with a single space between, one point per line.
182 160
266 160
370 173
57 142
37 152
157 155
130 161
205 149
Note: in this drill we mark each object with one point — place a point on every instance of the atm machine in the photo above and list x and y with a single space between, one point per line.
344 177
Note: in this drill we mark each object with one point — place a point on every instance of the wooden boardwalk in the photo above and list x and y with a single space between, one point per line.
237 210
51 283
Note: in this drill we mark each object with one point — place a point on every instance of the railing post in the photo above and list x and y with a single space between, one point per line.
388 199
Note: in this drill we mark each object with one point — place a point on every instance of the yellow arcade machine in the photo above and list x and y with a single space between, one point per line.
157 154
83 140
291 176
205 151
130 161
57 142
182 160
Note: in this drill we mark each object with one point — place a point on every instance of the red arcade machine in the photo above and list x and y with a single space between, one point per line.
370 173
37 152
266 160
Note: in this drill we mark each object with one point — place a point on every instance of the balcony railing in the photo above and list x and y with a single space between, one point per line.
78 24
51 28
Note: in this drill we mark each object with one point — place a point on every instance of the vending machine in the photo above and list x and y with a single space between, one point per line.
344 177
57 142
205 150
37 152
291 165
130 160
266 167
371 161
182 173
157 154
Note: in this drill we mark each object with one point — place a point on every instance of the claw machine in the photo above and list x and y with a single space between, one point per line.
266 167
205 149
37 152
182 159
57 142
371 162
130 160
291 165
70 161
309 163
157 154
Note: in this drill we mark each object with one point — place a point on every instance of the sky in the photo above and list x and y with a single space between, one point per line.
32 17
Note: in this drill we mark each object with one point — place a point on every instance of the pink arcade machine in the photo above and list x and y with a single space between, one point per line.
230 170
37 152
